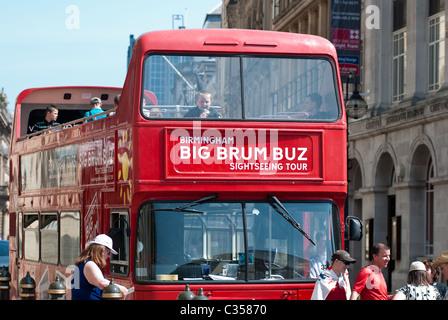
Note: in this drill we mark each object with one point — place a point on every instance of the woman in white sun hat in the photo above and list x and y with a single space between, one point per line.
88 281
418 287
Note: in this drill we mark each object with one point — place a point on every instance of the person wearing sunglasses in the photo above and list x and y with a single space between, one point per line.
333 283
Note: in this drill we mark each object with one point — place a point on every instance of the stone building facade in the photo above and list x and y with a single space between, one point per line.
398 168
399 174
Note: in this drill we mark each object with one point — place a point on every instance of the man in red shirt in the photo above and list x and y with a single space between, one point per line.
333 283
370 283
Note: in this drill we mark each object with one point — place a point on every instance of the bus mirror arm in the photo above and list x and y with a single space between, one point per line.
287 216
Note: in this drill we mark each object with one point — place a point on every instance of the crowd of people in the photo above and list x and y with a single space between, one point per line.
422 284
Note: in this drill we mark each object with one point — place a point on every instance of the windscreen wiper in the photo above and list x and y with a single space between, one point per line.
184 208
275 203
178 210
196 202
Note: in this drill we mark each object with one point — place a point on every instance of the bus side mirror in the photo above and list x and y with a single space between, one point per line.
354 227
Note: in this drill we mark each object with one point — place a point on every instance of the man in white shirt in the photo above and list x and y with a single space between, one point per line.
333 282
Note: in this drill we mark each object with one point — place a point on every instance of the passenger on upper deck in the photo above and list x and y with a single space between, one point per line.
95 108
202 109
117 100
51 115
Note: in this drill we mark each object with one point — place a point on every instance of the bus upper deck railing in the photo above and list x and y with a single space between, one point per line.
66 125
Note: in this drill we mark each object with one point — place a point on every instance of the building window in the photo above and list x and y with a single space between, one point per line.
436 6
399 65
399 51
399 14
429 220
436 54
276 8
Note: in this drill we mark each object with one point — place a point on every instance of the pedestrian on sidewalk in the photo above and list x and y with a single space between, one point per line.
433 277
88 280
418 286
370 283
333 282
442 263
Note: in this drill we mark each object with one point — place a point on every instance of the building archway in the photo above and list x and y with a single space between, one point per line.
385 206
385 178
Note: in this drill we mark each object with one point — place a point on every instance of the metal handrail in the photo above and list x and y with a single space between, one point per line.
65 125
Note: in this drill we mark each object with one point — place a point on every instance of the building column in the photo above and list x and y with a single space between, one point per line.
312 22
416 50
377 55
323 20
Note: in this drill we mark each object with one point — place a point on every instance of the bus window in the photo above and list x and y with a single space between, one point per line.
240 87
70 237
20 235
291 89
49 237
120 233
31 236
207 241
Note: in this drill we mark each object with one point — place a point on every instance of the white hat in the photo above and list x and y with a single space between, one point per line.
417 266
104 240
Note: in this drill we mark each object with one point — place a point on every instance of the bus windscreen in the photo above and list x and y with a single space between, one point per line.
228 241
239 88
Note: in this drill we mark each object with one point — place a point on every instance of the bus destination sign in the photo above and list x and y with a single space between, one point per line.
245 154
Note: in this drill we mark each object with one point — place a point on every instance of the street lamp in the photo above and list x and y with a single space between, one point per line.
355 107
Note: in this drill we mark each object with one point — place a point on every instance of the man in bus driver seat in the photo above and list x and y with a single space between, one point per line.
51 115
202 109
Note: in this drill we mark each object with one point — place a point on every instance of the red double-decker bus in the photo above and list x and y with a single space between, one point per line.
223 167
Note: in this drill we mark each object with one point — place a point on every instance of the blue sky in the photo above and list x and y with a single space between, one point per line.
80 42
